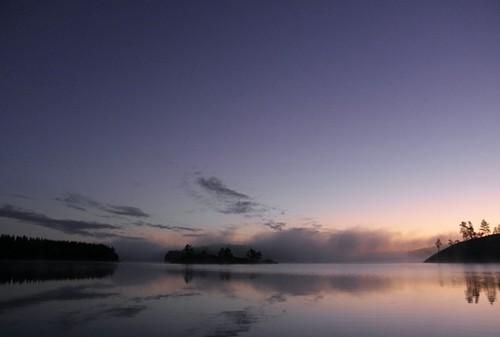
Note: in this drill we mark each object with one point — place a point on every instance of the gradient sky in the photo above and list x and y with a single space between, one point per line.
229 119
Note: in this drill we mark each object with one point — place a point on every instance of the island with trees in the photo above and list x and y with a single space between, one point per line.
482 246
24 248
190 255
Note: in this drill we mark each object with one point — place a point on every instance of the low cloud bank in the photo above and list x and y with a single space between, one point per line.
352 245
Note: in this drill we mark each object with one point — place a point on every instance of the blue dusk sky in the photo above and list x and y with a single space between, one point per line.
371 125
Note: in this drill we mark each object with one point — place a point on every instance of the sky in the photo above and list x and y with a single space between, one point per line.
351 127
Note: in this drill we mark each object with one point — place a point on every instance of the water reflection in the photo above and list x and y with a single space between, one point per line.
21 272
486 283
132 299
61 294
291 284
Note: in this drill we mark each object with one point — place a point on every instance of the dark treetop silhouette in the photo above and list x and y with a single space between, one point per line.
476 247
24 248
225 256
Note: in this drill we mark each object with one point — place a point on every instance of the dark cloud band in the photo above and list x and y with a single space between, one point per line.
67 226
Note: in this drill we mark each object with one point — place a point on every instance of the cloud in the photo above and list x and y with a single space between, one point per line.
224 199
216 186
83 203
240 207
67 226
216 195
353 245
276 226
308 244
126 210
168 227
195 235
20 196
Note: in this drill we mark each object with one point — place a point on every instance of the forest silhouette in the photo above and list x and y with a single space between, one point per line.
24 248
190 255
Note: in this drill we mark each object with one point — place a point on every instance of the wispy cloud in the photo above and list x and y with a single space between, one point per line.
68 226
241 207
168 227
84 203
20 196
216 186
277 226
225 200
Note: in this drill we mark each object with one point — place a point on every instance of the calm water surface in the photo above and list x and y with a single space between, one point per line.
64 299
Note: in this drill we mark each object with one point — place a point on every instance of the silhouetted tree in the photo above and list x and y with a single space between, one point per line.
467 230
189 255
484 228
464 230
188 250
254 255
496 230
438 244
472 232
225 253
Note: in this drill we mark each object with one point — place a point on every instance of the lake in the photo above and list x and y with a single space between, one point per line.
139 299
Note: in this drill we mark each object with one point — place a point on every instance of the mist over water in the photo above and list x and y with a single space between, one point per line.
59 299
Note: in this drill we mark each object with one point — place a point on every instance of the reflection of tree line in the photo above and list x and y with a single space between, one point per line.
26 272
475 284
291 284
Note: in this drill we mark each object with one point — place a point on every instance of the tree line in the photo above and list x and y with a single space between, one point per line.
224 256
468 232
25 248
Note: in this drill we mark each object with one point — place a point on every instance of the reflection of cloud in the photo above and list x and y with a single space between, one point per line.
77 318
229 323
276 298
280 285
165 296
66 293
67 226
82 203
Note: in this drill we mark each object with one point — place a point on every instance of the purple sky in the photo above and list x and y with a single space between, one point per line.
220 120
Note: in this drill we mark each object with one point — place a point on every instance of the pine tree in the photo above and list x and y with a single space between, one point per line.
484 229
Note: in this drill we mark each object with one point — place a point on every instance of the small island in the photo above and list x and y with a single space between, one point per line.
477 247
24 248
190 255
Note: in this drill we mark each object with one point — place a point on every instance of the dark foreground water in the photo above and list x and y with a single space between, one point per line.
64 299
